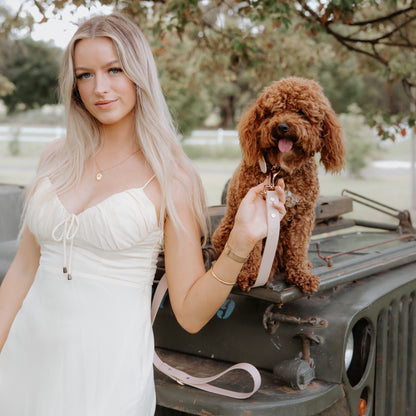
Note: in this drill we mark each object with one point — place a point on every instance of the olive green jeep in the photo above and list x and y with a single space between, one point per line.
350 349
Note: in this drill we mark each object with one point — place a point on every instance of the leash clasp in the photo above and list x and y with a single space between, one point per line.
273 179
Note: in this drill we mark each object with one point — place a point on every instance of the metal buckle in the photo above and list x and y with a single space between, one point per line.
179 381
272 184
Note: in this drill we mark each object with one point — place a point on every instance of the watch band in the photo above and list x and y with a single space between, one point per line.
233 256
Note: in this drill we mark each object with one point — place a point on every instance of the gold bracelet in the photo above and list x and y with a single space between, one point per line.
228 251
216 277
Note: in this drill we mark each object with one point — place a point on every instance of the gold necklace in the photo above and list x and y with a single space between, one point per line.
99 174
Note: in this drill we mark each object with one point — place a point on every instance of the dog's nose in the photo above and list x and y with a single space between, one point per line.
283 127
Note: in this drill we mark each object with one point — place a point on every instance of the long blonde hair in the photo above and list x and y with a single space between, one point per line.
155 131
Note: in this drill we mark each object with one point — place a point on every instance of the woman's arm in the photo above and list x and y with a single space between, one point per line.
196 295
17 282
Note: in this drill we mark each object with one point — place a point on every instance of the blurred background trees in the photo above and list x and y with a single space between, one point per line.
361 51
28 69
215 56
32 67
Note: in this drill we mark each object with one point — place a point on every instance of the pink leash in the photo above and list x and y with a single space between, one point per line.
273 227
203 383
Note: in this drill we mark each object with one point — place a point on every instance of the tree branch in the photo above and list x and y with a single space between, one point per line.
340 38
376 40
381 19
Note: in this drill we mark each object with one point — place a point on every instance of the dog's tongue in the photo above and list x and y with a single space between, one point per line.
285 145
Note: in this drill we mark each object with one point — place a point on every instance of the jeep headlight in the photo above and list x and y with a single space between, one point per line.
349 351
360 343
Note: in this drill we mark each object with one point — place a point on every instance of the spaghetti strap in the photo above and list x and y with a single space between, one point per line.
150 180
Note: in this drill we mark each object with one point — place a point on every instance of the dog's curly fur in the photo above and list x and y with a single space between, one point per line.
295 112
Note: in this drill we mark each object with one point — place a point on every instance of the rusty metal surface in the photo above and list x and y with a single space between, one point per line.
272 398
328 258
351 267
403 216
334 224
331 206
272 320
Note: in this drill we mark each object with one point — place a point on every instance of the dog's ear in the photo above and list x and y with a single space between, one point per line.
248 130
333 147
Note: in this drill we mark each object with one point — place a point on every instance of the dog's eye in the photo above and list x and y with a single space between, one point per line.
302 113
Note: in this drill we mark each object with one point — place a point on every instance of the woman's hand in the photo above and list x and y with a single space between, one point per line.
250 223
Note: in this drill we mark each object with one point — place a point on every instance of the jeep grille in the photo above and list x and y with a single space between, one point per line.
396 359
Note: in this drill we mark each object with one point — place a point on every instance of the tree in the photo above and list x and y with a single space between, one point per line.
360 140
33 68
345 83
231 69
6 87
8 24
384 31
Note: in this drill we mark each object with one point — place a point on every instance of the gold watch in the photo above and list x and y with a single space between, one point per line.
228 252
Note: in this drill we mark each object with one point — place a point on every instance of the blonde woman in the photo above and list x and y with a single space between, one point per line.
75 331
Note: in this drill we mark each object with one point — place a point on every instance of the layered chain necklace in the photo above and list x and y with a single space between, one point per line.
99 174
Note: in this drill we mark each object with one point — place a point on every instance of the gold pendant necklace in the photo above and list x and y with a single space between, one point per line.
99 174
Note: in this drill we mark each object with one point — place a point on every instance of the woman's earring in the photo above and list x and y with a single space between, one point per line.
262 164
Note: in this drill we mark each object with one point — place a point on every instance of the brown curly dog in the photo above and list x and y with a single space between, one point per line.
291 121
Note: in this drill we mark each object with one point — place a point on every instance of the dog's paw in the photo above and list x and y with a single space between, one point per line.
304 280
310 286
245 283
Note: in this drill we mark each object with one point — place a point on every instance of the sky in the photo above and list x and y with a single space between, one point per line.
57 30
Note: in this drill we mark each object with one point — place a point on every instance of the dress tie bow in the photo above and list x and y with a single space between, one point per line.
66 231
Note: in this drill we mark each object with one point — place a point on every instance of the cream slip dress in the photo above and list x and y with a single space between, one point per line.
82 343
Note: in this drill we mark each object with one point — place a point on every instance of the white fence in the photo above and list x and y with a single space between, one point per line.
30 134
212 137
46 134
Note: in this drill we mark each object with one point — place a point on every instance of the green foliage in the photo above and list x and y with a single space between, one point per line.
345 84
181 83
382 35
187 109
251 38
360 140
6 87
33 68
10 22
